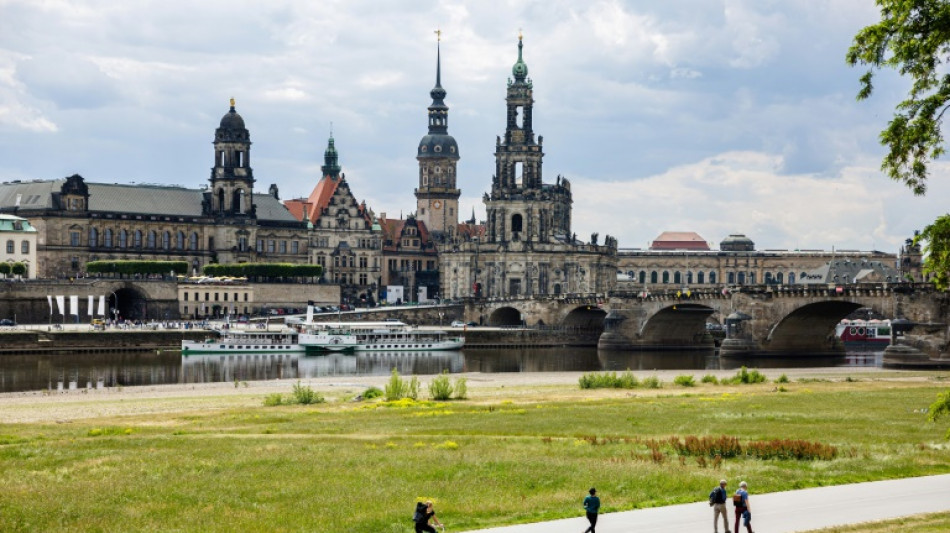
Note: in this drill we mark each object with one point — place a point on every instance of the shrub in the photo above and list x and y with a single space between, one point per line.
652 382
709 378
608 380
274 399
304 395
782 379
684 381
372 392
745 377
461 388
396 388
412 389
440 388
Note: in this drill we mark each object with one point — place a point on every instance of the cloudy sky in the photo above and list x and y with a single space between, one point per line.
713 116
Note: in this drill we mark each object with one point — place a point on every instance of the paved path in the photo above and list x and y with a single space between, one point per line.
777 512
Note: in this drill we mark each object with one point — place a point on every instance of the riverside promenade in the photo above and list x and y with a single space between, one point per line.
777 512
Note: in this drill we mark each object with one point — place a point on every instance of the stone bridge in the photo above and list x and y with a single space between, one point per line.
759 320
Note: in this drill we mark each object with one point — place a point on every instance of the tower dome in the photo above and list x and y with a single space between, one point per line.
438 142
520 68
232 127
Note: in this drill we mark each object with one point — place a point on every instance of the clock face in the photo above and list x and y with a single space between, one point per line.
436 205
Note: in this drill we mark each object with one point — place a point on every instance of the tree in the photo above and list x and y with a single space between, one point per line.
913 38
936 249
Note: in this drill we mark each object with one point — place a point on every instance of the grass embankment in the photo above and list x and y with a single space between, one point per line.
514 454
925 523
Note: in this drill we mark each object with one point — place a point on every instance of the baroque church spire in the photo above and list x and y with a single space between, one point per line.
331 165
438 111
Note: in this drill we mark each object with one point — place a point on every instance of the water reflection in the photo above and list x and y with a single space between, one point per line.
80 371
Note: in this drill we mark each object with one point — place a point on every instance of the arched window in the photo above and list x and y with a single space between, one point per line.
221 200
107 238
700 277
768 278
137 239
11 246
689 277
653 277
123 238
166 240
741 278
643 276
677 278
712 277
25 247
180 240
237 201
779 278
732 278
516 223
152 238
791 278
93 237
193 241
666 277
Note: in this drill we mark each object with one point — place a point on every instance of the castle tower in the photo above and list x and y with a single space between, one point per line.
331 160
437 196
232 180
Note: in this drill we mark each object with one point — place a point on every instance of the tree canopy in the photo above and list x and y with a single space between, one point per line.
913 38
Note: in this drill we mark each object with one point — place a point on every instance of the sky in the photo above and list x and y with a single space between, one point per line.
712 116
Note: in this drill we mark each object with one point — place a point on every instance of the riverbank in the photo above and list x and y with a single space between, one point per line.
519 450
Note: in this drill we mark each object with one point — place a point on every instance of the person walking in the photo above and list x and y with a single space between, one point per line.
592 506
741 501
718 502
422 524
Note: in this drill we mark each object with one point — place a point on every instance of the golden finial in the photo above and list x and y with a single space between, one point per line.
232 102
519 34
438 35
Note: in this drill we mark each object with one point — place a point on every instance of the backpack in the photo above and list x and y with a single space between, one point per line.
420 513
713 497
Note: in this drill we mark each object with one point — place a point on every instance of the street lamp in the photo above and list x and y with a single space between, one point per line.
115 309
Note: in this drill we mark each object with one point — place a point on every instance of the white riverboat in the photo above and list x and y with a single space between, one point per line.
389 336
246 341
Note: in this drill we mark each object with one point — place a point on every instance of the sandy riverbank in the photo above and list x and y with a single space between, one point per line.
62 406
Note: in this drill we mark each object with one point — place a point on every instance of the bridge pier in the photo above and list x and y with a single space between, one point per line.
657 324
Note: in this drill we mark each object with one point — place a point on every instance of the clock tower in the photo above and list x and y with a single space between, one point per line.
437 196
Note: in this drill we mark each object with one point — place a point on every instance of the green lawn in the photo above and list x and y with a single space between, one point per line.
925 523
487 461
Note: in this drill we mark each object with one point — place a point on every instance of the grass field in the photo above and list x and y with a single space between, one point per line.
927 523
506 455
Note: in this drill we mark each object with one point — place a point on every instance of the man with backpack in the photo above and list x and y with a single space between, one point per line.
717 500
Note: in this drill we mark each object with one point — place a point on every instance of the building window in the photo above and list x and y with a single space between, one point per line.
245 296
152 238
93 237
666 277
653 277
283 247
225 297
294 247
712 277
10 247
676 278
25 247
166 240
123 238
260 245
186 296
74 239
180 240
242 244
271 246
701 277
107 238
137 239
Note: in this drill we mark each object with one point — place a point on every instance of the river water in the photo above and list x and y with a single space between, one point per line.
79 371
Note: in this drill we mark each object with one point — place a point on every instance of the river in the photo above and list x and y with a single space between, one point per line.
79 371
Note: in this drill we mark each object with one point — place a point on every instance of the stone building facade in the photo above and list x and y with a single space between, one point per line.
736 262
18 238
344 235
226 222
527 248
411 258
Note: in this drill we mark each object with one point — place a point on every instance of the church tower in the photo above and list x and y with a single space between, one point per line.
331 160
437 196
232 180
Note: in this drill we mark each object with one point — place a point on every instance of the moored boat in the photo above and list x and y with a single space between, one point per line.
246 341
387 336
864 333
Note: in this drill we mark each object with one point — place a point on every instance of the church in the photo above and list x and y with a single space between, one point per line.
527 247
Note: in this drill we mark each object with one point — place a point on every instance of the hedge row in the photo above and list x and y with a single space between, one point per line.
263 270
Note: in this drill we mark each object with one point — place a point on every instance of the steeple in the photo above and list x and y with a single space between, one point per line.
438 111
520 69
331 165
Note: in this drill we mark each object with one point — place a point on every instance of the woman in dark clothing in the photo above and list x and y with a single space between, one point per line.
422 525
592 506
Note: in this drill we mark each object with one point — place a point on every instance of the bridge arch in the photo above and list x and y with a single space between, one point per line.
505 316
589 317
680 325
810 329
